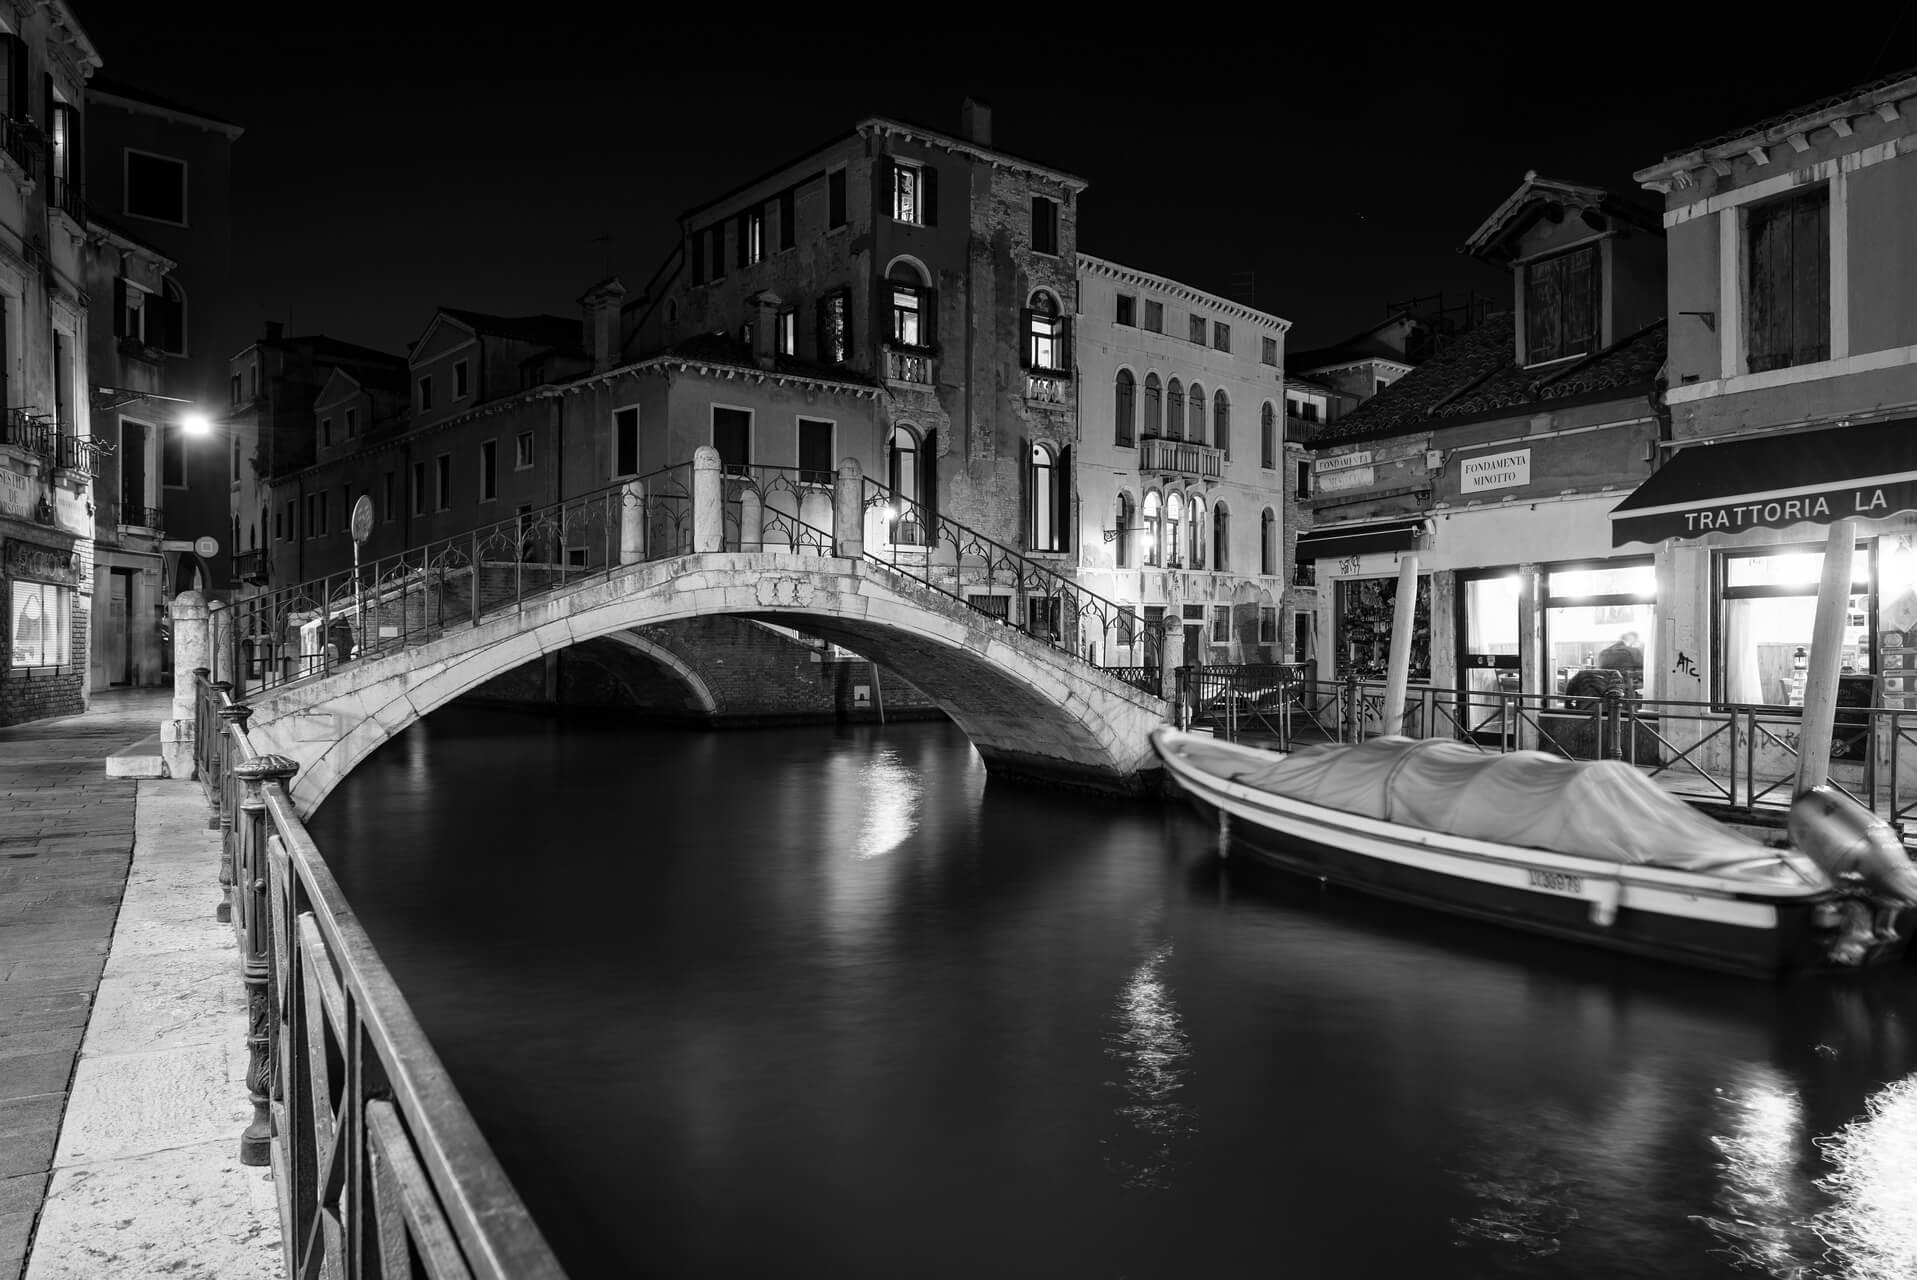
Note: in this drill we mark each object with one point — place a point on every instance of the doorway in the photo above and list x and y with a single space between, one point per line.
1488 660
119 636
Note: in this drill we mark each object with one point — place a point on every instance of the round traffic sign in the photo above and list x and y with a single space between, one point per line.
206 548
363 518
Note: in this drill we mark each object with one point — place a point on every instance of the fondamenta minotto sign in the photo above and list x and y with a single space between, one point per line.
35 563
1774 482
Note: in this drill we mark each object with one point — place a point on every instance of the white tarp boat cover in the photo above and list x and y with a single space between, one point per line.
1592 809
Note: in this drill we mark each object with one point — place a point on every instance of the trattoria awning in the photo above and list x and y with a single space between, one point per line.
1774 482
1356 539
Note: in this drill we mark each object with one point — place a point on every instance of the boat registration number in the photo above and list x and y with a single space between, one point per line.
1557 882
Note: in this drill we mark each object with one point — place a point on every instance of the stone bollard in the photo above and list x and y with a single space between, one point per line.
848 515
1171 656
256 955
237 714
189 652
708 500
632 523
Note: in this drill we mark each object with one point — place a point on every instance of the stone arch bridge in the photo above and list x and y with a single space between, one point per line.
841 558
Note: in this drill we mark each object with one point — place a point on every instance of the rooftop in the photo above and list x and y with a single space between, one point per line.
555 332
1477 377
108 87
722 349
1856 100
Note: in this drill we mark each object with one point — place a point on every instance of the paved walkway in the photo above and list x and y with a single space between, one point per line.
122 1059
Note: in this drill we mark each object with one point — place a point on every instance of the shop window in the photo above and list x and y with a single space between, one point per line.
40 634
1767 605
1488 649
1365 612
1601 617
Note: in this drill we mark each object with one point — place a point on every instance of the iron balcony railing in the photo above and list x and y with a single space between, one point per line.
26 431
1157 453
78 454
69 197
380 1168
139 517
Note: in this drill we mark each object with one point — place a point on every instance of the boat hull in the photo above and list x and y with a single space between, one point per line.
1661 914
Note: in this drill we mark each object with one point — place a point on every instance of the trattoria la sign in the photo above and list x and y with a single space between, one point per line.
1769 511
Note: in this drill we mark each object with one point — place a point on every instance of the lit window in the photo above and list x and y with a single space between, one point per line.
907 316
1768 605
785 334
1044 334
40 633
835 327
1154 529
908 192
752 225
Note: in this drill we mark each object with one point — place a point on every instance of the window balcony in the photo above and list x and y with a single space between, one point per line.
26 433
69 197
138 517
1180 457
79 456
1301 430
909 365
1046 388
251 567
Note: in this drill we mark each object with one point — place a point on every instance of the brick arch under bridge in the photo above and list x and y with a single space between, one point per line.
1030 710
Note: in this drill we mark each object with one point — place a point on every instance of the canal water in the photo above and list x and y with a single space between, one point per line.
829 1002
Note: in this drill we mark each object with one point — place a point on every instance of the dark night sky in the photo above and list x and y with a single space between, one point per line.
405 155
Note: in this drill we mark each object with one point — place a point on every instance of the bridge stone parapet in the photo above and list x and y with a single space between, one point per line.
1031 710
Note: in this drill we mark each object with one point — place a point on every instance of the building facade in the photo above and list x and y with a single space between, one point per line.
1180 466
47 450
132 333
160 172
1498 460
1793 394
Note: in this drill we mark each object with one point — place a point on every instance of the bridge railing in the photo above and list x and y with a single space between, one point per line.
910 538
399 600
380 1169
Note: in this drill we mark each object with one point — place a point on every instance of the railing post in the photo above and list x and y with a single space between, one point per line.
473 558
1610 730
1354 708
234 715
848 511
751 521
177 736
256 958
632 523
708 501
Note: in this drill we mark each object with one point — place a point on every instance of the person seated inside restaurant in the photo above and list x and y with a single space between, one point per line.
1626 656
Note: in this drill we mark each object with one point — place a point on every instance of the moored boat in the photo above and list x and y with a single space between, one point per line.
1587 850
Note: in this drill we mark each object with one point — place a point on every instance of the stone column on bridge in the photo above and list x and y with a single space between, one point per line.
751 521
1172 651
190 645
632 523
848 511
708 500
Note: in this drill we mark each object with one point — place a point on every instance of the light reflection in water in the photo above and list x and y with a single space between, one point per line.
1764 1195
1156 1055
1871 1229
890 802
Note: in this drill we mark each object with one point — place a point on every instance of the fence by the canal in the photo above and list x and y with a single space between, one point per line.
1730 757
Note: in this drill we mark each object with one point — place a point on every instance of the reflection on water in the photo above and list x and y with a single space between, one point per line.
1155 1054
828 1002
1871 1229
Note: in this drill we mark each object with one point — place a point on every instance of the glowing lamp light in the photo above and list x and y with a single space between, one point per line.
1800 660
196 424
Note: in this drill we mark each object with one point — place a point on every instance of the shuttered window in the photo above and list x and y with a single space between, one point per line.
1044 225
1123 408
1561 306
1788 276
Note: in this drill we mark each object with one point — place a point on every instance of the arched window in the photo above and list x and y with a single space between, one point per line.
1047 498
1154 409
1154 530
1220 538
1044 334
1123 530
1174 531
1122 410
1221 421
911 324
1174 410
169 335
1267 543
1197 433
905 473
1267 436
1195 532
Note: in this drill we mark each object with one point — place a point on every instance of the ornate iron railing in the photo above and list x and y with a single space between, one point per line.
1146 678
68 196
778 509
79 454
28 431
969 567
406 599
138 517
380 1168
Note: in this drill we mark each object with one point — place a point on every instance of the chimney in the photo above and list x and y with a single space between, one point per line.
599 330
975 122
273 330
765 324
